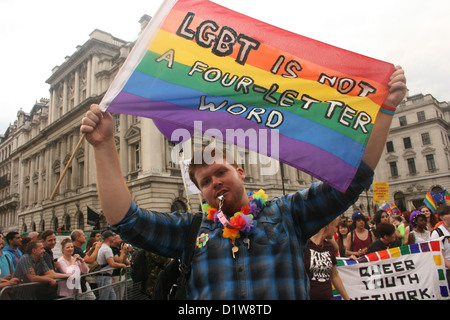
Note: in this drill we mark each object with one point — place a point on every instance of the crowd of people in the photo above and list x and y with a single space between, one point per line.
356 237
30 259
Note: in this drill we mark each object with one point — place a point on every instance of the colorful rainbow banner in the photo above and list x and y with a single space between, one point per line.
429 202
410 272
199 66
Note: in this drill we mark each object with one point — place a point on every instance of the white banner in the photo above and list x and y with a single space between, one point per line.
414 272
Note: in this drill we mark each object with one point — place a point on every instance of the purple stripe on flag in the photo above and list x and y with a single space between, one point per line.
424 247
290 151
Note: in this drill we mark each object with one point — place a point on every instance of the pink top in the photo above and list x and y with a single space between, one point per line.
66 286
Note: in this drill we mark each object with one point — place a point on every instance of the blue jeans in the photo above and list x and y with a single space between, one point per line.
107 293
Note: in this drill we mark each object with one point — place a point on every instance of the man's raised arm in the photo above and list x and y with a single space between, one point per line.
380 132
115 198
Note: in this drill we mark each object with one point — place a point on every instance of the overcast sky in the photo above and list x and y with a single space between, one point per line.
36 36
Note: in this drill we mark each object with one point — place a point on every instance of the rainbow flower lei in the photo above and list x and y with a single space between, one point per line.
243 219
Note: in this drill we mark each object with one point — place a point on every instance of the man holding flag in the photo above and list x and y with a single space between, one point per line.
132 224
247 247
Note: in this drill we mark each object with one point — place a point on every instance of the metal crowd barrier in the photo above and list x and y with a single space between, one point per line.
126 287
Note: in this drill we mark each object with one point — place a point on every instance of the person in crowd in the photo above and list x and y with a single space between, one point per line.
48 238
13 241
23 243
378 217
432 219
73 264
419 231
96 235
387 238
105 259
6 271
406 220
381 216
32 268
6 264
320 265
271 251
121 251
33 235
92 247
91 251
78 239
400 223
443 232
90 256
342 232
359 239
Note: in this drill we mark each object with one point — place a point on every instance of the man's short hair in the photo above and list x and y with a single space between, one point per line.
32 245
385 229
10 236
46 234
443 209
75 234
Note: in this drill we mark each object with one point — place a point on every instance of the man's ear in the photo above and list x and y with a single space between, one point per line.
241 173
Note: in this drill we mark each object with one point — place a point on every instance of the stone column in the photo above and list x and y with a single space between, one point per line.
76 91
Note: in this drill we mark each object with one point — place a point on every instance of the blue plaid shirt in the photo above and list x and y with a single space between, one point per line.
271 267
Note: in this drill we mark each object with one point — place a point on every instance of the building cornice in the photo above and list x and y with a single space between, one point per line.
91 47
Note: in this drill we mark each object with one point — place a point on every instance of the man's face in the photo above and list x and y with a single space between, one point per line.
222 179
360 223
446 219
38 252
81 238
117 240
50 241
16 241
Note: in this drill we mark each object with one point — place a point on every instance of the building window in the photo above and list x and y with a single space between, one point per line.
135 157
116 122
407 143
81 173
426 138
402 121
178 206
430 162
390 146
421 116
172 156
411 166
394 170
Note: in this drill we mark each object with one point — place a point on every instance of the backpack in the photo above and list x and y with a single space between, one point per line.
145 267
139 269
171 281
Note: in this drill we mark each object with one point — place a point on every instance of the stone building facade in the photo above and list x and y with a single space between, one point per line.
34 152
36 148
417 153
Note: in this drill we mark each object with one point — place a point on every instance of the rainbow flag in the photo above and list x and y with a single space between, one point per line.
199 66
429 202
